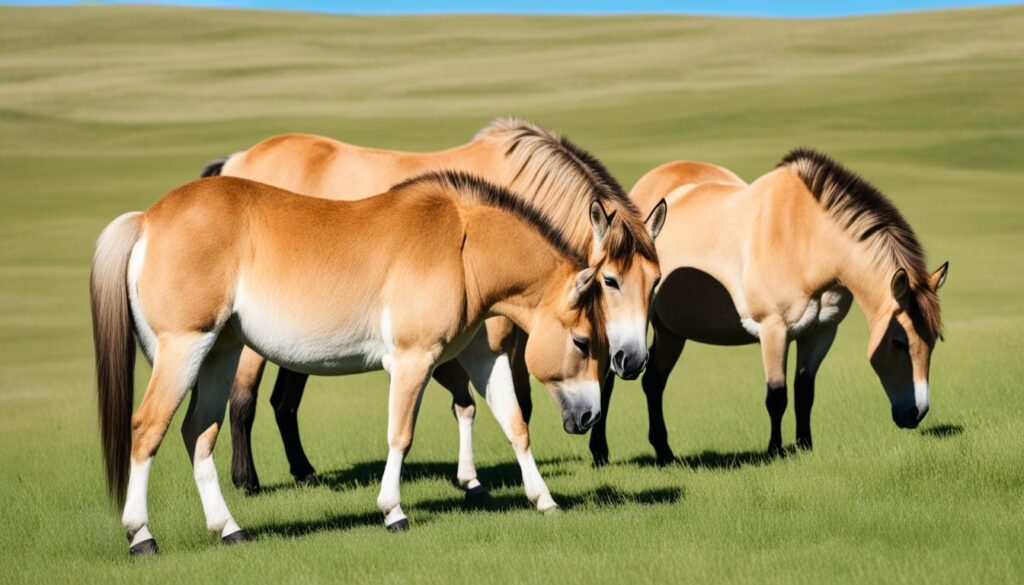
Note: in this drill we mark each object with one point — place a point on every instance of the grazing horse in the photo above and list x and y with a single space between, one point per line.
558 178
399 282
780 260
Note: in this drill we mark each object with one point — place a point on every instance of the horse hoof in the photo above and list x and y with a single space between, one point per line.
236 537
600 459
310 478
552 511
665 459
477 495
399 525
146 548
775 451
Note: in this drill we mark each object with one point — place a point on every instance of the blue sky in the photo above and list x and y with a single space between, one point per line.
781 8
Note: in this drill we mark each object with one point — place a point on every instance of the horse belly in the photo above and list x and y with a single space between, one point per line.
694 305
310 342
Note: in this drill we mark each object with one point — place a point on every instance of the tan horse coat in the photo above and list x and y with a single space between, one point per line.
555 176
777 261
400 282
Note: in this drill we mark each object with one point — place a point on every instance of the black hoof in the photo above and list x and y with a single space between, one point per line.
399 526
775 451
665 459
236 537
250 485
146 548
600 459
804 445
310 478
478 496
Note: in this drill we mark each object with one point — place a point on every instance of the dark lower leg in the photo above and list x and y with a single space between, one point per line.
775 401
244 395
803 399
285 399
654 390
521 376
243 468
598 438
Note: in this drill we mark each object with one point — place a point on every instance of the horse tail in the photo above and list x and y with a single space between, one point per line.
215 167
114 342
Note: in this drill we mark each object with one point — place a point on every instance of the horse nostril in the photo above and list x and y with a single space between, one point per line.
621 359
585 419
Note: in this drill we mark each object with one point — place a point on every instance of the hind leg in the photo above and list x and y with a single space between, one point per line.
200 429
286 398
243 413
175 368
454 379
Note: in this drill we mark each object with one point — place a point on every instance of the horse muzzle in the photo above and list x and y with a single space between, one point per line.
629 364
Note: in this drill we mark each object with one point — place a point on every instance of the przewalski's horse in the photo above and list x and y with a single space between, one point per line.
400 281
777 261
558 178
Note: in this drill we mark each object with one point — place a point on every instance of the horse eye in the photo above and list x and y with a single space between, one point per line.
900 343
582 344
611 282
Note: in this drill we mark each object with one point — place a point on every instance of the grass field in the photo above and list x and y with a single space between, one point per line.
103 109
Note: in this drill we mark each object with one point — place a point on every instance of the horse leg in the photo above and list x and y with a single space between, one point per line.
285 399
810 351
598 437
243 413
491 375
174 371
521 375
451 375
665 352
410 372
200 429
774 352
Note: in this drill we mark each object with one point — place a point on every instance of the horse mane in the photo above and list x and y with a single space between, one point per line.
470 188
869 217
562 179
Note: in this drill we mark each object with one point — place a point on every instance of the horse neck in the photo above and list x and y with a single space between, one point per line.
868 280
567 208
511 270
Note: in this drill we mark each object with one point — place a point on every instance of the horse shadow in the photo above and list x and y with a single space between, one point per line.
718 460
943 431
425 511
369 473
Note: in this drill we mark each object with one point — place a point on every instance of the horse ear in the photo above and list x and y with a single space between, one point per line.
900 286
656 220
938 278
599 220
584 280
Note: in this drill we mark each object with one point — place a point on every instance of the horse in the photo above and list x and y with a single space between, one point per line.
399 282
560 179
781 260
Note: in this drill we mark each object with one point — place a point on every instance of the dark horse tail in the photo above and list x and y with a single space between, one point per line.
213 168
114 342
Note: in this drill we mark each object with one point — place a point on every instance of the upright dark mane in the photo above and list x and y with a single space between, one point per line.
562 179
870 218
474 189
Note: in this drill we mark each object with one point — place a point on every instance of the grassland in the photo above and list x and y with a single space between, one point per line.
103 109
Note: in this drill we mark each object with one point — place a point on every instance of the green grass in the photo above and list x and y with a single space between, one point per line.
103 109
